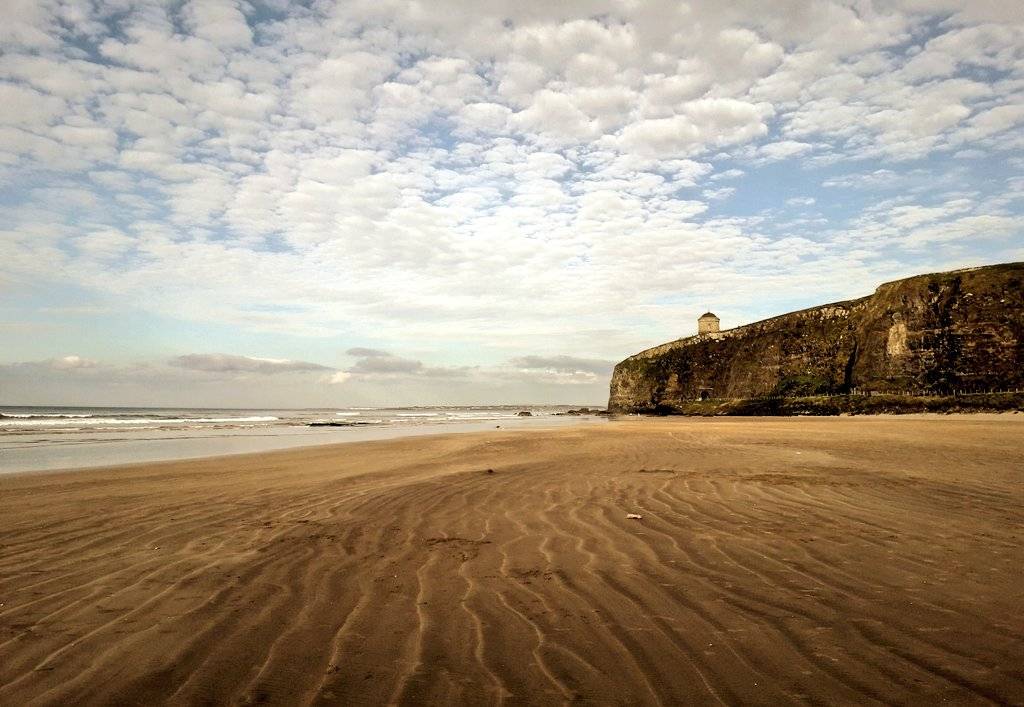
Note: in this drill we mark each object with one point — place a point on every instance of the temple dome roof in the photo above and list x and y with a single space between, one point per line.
707 315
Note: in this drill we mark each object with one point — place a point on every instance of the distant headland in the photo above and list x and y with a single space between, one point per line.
950 341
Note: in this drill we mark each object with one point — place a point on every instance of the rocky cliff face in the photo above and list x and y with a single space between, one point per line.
961 330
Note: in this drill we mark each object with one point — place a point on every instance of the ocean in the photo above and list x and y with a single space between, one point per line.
46 438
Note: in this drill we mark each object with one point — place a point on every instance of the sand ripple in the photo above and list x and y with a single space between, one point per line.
777 561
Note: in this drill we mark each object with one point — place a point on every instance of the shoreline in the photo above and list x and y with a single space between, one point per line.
777 560
119 449
345 436
358 435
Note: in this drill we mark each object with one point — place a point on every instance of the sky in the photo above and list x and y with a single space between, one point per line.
305 204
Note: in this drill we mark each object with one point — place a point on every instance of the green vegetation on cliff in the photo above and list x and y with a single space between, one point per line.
935 334
848 405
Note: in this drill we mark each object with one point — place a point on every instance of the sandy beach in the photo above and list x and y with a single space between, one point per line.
836 560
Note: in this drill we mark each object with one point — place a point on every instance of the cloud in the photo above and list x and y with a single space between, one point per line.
784 149
801 201
227 363
555 115
69 363
385 364
377 364
74 380
726 174
563 364
880 178
219 21
361 352
700 124
558 370
489 175
720 193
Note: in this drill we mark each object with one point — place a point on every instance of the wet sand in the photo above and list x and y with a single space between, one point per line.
835 560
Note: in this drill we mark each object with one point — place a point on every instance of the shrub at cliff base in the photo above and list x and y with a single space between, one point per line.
848 405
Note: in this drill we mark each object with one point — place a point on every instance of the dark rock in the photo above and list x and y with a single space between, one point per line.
936 334
524 413
337 424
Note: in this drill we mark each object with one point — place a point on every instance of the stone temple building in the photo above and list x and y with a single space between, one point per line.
707 324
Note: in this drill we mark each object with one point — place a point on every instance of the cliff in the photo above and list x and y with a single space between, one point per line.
938 333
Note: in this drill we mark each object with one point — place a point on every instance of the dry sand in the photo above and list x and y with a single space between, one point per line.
778 560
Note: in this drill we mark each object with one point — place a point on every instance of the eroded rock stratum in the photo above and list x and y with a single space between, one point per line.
940 333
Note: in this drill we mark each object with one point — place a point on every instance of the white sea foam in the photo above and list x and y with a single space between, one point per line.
265 418
480 415
46 414
347 414
97 421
